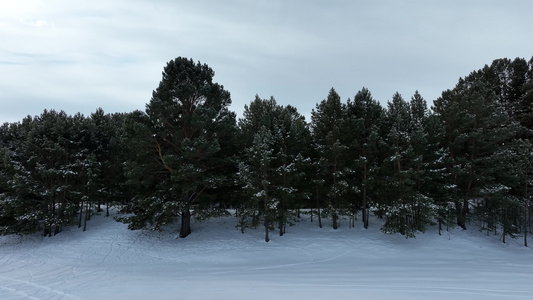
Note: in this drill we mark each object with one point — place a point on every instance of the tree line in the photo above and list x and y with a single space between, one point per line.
465 161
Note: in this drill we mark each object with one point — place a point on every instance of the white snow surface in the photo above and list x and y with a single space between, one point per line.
216 261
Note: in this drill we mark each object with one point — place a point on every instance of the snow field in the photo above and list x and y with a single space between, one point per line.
218 262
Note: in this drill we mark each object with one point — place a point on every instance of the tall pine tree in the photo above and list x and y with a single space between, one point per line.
178 155
329 139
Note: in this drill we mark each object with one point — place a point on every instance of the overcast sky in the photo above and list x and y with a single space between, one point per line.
77 56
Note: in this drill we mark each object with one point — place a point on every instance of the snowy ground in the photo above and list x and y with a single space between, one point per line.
218 262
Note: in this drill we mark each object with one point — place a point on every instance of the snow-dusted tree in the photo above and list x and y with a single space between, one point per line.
399 189
506 200
257 175
12 206
293 137
523 170
109 152
274 141
409 168
50 167
426 171
329 139
178 156
507 79
363 127
476 127
435 182
524 106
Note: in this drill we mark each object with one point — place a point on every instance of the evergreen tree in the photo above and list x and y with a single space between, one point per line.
524 105
272 163
424 164
50 166
522 164
507 78
409 169
475 128
11 207
257 175
256 138
364 122
327 122
399 188
436 182
178 147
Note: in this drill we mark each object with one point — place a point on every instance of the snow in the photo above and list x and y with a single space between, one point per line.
218 262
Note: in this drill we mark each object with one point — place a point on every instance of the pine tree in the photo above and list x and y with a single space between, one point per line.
50 166
108 151
522 164
178 148
11 207
399 190
256 130
257 174
364 121
475 128
327 122
506 78
524 105
410 170
274 155
436 181
425 172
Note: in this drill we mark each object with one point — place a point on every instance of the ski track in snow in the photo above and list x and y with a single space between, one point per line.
218 262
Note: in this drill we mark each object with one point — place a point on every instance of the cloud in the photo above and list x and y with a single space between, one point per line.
80 55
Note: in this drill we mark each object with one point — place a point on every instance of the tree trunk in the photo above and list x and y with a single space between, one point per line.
281 226
504 221
464 212
87 216
185 228
334 201
365 210
81 213
57 229
318 207
365 219
525 224
267 238
319 218
461 213
366 213
525 210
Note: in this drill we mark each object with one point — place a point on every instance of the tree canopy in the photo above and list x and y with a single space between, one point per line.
464 161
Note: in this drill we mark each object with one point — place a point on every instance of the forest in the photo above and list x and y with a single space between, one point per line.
465 161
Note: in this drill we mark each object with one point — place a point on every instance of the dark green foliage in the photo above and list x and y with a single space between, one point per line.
410 207
330 141
54 170
272 169
180 147
109 152
476 128
364 126
468 159
521 220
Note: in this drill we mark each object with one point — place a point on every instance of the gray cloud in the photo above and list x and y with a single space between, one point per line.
77 56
